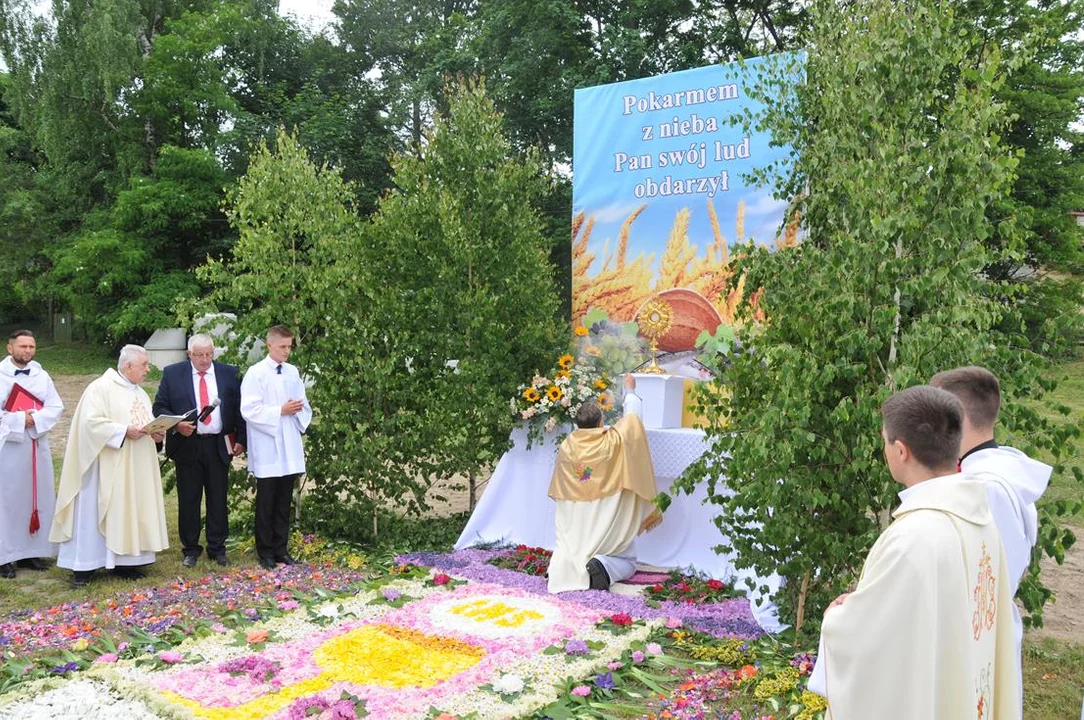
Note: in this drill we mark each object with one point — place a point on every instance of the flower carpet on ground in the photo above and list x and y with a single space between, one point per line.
436 636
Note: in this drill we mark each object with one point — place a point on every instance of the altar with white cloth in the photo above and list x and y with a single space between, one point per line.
516 509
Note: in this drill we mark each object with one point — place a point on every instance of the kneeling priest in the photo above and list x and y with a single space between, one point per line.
604 486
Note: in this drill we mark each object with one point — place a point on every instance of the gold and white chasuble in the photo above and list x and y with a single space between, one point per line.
928 632
604 486
129 509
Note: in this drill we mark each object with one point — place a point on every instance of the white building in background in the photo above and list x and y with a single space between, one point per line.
166 346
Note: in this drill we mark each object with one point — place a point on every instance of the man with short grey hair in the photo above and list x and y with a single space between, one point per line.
109 511
203 448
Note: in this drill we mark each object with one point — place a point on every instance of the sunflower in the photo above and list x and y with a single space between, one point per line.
531 394
593 351
600 384
564 374
606 402
554 393
581 331
565 362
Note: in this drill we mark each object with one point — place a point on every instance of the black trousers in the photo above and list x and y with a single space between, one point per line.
273 498
199 474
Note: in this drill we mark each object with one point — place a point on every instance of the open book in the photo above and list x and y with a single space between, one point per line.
163 423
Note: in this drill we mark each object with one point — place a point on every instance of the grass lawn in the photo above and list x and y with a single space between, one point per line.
1070 392
1054 669
43 590
74 359
1053 679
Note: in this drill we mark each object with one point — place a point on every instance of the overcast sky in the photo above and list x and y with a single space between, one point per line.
314 13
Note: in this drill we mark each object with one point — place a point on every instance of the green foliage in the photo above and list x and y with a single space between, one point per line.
1032 228
1046 312
175 211
396 532
293 221
1044 94
444 302
124 274
450 303
897 155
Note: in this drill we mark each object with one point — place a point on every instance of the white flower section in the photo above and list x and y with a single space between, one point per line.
534 680
293 625
78 700
546 675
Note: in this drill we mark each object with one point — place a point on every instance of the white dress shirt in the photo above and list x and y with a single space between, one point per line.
215 426
274 439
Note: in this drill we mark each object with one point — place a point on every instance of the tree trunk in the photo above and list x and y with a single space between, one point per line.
803 593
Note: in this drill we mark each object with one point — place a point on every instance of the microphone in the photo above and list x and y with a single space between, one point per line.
207 410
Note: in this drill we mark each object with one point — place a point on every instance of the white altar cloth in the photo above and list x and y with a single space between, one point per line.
516 509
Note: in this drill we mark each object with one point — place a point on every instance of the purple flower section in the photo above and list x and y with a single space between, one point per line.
730 618
575 646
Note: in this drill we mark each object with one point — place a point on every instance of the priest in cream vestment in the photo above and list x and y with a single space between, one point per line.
604 486
927 634
110 512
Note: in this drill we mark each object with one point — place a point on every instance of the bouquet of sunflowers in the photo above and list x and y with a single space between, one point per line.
550 402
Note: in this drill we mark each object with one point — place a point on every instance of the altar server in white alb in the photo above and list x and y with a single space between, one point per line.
26 465
1014 482
109 510
277 412
928 633
604 486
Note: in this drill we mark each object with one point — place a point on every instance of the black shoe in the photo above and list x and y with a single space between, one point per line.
287 559
221 559
190 561
267 563
129 573
7 570
600 579
31 564
81 578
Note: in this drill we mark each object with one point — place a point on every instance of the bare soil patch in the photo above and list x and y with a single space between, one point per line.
70 388
1062 619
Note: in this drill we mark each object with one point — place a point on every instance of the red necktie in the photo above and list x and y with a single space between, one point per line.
204 396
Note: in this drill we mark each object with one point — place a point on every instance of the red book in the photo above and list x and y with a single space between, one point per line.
19 400
22 399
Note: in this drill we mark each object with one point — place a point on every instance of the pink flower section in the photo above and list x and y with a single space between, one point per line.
212 687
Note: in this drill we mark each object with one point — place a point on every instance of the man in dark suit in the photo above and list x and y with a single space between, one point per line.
202 449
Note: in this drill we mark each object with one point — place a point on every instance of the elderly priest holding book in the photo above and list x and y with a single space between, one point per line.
31 407
604 487
110 512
